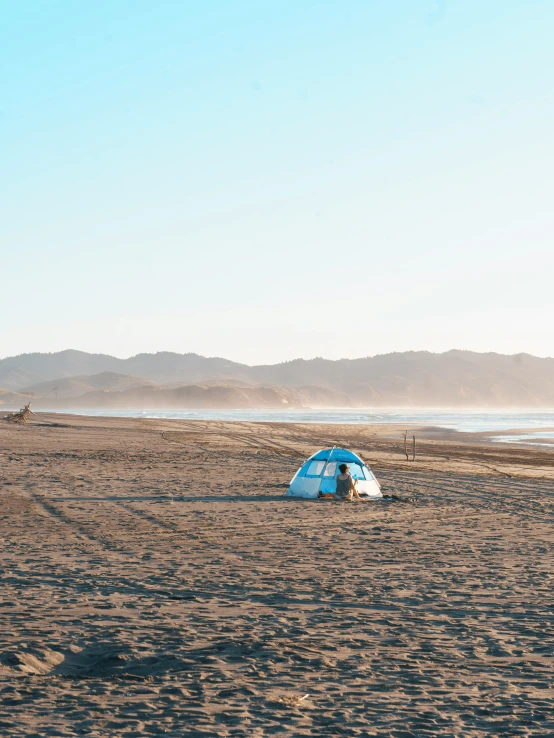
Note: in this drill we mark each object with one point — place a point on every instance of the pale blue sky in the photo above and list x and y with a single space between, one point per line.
268 180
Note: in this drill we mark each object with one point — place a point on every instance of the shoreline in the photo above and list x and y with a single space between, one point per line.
437 448
446 419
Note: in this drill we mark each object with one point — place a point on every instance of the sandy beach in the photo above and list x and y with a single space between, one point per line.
155 582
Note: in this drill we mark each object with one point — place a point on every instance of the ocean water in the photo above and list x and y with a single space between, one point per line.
474 421
537 438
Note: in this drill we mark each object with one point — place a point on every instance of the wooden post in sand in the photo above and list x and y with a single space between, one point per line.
413 449
405 434
22 416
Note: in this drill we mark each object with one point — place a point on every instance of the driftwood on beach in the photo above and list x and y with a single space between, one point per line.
405 436
22 416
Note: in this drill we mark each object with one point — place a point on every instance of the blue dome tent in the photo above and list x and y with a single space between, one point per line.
318 476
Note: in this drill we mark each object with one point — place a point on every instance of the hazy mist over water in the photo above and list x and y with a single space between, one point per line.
469 422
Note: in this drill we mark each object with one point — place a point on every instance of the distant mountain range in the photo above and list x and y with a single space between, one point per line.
170 380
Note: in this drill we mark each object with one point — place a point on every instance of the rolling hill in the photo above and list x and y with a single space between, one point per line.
410 379
66 387
190 397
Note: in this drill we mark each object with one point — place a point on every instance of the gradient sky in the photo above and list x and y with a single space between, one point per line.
270 180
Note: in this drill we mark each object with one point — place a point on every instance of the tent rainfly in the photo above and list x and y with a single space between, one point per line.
318 476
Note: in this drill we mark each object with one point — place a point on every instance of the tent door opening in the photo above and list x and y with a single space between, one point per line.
328 484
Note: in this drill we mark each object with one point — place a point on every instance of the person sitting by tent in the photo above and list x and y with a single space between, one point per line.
346 487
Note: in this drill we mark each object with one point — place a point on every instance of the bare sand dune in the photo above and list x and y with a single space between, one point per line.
161 585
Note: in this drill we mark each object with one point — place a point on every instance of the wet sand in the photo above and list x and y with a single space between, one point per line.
155 582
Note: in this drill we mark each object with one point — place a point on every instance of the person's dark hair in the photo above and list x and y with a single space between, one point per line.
343 468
